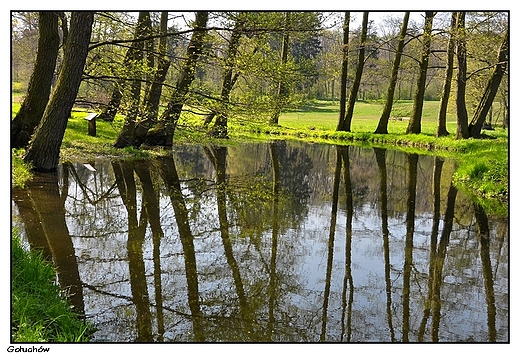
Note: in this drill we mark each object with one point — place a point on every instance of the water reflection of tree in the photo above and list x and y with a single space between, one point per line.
257 294
348 279
330 247
411 168
484 240
124 174
381 163
273 283
218 157
436 214
41 208
151 205
171 179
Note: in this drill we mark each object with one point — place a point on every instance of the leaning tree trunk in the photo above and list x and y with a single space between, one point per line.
344 71
344 125
382 127
443 109
33 106
162 134
414 126
44 150
460 100
491 89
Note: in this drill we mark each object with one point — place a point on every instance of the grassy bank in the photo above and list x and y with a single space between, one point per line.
483 170
40 313
483 163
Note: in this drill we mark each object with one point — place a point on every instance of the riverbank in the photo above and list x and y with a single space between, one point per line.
483 170
483 173
40 312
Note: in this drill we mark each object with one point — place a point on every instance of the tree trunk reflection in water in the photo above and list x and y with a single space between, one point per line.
151 205
438 261
43 207
381 163
171 179
483 237
411 167
330 248
274 242
271 273
348 280
124 174
217 156
437 172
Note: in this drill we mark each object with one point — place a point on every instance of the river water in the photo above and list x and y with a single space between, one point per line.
272 242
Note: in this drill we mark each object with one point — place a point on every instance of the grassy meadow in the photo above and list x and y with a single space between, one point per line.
323 115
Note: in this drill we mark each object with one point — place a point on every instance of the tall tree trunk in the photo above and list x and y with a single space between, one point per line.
133 111
219 129
446 88
283 91
462 113
143 22
344 71
125 137
33 106
163 133
44 150
414 126
344 125
491 89
382 127
136 136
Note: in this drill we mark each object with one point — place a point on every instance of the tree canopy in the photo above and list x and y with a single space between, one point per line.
150 67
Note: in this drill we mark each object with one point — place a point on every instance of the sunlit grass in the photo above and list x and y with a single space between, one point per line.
40 313
483 163
20 171
324 115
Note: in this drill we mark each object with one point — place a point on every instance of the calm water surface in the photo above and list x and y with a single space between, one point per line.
272 242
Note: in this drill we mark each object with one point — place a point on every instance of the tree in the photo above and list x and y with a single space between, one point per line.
133 55
382 127
283 92
125 137
460 100
414 126
163 133
44 150
39 89
219 129
344 68
344 122
491 89
441 127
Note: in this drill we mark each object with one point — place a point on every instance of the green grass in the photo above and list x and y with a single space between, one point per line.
323 115
483 163
20 171
40 313
316 122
